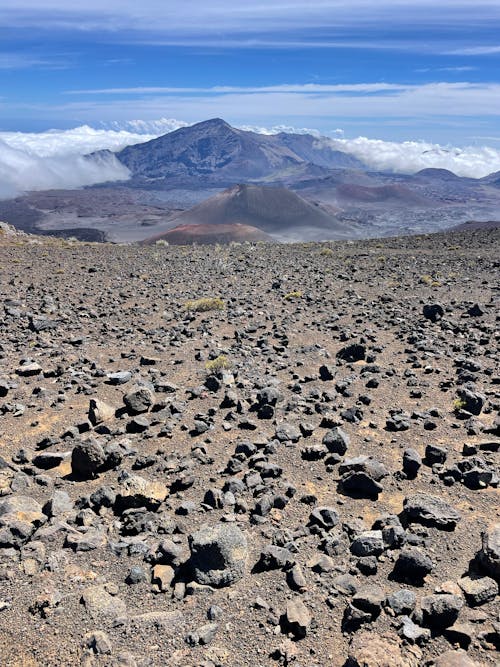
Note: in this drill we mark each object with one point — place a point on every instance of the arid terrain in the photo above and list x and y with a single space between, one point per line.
250 455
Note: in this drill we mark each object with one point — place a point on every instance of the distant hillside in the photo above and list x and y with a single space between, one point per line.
475 224
215 151
273 210
432 173
492 179
385 194
211 234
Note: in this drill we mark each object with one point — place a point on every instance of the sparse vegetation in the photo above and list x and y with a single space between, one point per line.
220 363
458 404
326 252
431 281
293 295
204 304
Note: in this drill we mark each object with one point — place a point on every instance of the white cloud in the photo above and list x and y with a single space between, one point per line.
276 129
408 157
141 127
54 159
25 61
280 88
475 51
24 169
290 102
86 139
220 16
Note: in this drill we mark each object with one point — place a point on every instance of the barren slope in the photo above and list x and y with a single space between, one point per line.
295 470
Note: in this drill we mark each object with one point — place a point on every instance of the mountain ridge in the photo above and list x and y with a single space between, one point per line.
214 150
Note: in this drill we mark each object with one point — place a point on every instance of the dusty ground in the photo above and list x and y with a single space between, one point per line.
69 593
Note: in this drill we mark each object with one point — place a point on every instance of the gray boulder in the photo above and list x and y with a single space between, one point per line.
87 459
413 565
478 590
472 401
430 511
433 311
139 399
441 611
218 555
402 602
489 556
336 441
20 516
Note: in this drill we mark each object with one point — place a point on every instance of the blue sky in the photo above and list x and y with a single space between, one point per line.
391 69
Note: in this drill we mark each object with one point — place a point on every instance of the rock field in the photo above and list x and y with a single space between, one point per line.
250 455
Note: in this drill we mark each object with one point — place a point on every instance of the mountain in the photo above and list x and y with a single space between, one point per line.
211 234
474 225
492 179
394 194
432 173
213 151
274 210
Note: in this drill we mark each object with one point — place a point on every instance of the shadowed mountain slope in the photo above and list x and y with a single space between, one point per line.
385 194
473 225
273 210
215 150
210 234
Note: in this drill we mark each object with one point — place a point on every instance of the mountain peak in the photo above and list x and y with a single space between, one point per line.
212 124
214 149
214 121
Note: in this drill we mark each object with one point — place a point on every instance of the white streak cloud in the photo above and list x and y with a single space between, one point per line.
475 51
281 88
219 16
24 61
293 101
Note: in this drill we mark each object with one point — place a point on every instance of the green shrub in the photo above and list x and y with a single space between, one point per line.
204 304
220 363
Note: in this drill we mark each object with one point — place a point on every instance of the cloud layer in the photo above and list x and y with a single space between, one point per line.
309 100
220 16
408 157
24 169
86 139
55 159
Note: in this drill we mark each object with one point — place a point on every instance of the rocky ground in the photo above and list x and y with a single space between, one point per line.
299 469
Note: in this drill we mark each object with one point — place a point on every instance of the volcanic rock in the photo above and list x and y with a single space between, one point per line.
20 516
218 555
430 511
489 555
